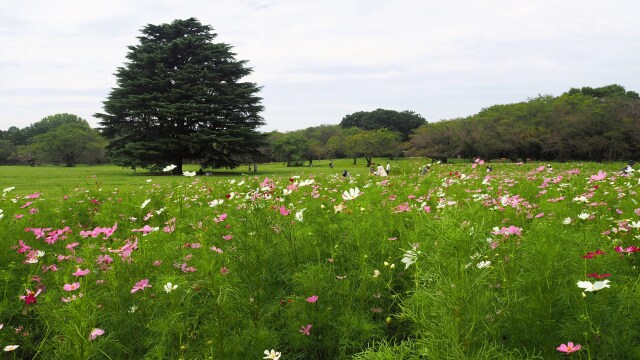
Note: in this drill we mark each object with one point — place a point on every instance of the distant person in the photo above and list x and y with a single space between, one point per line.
629 168
388 168
345 173
425 169
372 171
331 164
489 169
381 171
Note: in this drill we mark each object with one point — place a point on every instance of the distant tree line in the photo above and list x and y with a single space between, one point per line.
601 124
592 124
57 139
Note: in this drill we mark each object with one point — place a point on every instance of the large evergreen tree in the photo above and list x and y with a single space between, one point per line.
180 97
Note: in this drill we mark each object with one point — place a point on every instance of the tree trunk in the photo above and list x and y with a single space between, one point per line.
178 169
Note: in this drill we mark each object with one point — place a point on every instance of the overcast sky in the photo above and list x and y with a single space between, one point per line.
318 61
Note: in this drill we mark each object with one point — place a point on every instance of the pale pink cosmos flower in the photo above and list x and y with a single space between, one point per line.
140 285
569 347
71 287
95 333
80 272
600 176
305 330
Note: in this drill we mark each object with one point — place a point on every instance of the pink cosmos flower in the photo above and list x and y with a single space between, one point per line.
33 196
600 176
306 330
145 229
104 259
23 247
569 347
95 333
80 272
284 211
312 299
228 237
140 285
71 287
598 276
220 218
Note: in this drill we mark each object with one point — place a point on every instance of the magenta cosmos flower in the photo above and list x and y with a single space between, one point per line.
569 347
312 299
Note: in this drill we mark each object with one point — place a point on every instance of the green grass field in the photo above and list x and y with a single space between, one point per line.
58 180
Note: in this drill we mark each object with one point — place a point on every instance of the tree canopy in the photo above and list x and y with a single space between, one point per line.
402 122
180 97
60 138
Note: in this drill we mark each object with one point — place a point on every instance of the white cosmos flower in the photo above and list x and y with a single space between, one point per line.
169 168
10 347
145 203
409 258
169 287
307 182
581 198
635 224
272 355
299 215
584 216
483 264
566 221
216 202
351 194
189 173
590 287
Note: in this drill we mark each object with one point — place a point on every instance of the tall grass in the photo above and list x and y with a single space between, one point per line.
456 263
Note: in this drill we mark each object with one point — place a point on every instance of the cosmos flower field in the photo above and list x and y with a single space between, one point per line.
526 261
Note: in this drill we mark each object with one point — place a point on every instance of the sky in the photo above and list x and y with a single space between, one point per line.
318 61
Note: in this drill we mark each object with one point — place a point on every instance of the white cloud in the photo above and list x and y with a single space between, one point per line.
319 61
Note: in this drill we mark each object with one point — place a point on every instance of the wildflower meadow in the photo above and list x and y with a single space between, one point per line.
527 261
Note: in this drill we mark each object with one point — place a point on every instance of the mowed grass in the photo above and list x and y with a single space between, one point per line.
101 262
59 180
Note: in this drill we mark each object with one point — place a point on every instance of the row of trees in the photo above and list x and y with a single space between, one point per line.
601 124
359 135
60 139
